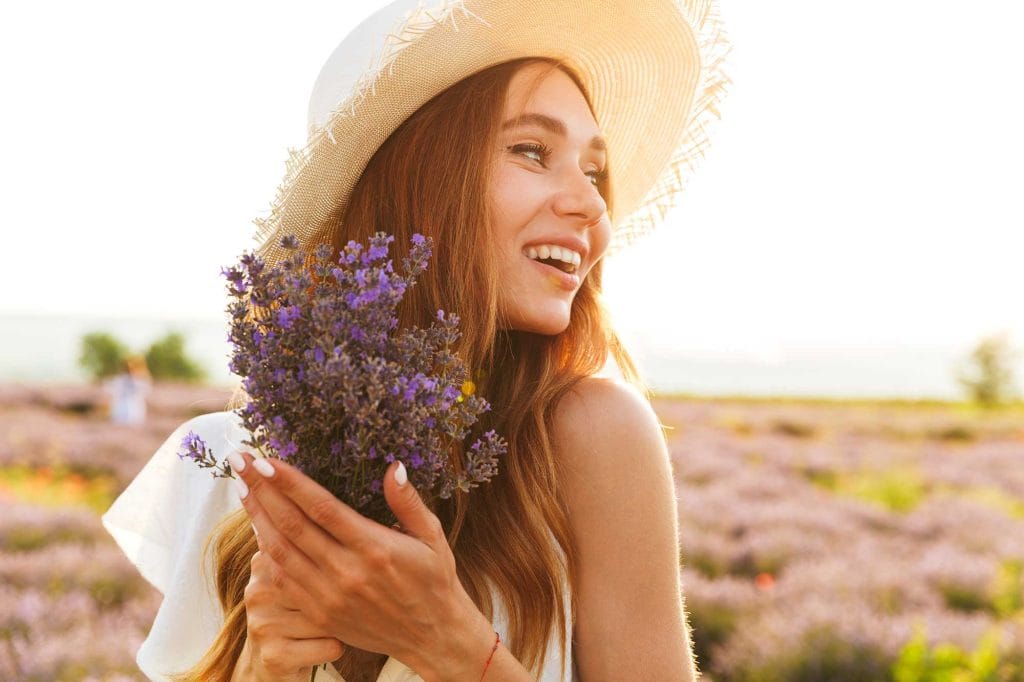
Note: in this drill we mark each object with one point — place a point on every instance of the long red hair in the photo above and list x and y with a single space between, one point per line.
431 176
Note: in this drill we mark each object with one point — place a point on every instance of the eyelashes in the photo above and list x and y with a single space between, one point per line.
543 152
525 148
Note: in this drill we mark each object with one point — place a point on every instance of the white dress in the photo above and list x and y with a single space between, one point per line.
162 520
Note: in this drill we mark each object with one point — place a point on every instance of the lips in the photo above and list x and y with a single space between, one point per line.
556 277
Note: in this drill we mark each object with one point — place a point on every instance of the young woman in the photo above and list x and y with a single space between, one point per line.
494 128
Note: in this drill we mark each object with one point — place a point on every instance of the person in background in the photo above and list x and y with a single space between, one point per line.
128 391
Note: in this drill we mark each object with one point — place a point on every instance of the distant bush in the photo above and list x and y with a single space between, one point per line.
166 359
919 663
26 527
953 433
806 649
964 597
101 355
793 429
988 374
899 489
1008 588
735 424
711 625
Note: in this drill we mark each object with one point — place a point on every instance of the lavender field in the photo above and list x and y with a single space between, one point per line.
71 606
820 541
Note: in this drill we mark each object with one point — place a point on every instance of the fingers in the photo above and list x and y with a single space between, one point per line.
285 637
417 520
270 622
268 583
336 518
290 625
278 522
289 656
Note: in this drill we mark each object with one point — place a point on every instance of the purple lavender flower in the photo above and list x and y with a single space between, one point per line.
193 447
336 390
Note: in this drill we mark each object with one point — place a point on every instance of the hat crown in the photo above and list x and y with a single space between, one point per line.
359 56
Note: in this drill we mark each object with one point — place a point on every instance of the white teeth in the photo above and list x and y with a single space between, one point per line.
561 253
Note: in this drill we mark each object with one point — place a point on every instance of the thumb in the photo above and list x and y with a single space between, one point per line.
406 503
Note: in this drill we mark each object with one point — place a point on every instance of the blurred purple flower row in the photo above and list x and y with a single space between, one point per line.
802 558
784 577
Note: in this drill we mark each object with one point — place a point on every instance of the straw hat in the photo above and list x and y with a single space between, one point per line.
652 69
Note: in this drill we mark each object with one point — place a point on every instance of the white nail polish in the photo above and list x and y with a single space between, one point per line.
236 461
400 474
263 466
241 487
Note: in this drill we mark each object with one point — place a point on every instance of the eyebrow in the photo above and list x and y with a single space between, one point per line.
552 125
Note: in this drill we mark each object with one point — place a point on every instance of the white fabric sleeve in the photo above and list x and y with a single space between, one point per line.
161 521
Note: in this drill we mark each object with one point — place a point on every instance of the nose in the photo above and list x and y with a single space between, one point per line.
578 197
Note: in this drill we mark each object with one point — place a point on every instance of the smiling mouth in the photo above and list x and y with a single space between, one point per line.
567 281
557 263
554 263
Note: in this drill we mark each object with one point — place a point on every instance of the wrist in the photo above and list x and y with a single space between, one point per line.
463 655
248 669
243 665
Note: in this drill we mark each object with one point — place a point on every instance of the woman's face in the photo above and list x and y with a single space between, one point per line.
543 194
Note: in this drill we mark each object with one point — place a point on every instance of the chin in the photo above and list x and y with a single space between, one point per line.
548 326
537 315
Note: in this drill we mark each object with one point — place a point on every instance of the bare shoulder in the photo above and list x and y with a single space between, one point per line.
607 418
620 496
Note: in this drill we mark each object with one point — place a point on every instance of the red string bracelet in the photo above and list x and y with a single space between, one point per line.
497 638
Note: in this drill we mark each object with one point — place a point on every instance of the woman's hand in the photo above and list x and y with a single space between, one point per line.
280 643
368 585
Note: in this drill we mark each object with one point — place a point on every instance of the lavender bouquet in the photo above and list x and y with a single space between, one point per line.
335 391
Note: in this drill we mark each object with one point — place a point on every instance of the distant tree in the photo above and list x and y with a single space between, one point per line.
101 355
166 359
988 373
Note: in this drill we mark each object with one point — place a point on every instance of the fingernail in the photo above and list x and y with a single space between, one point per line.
263 466
241 487
236 461
400 474
254 531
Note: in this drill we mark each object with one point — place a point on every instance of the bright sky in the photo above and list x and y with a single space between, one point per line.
864 186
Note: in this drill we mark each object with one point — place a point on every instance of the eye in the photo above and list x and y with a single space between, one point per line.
531 148
540 153
598 176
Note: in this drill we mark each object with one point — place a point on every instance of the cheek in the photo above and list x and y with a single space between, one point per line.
510 208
